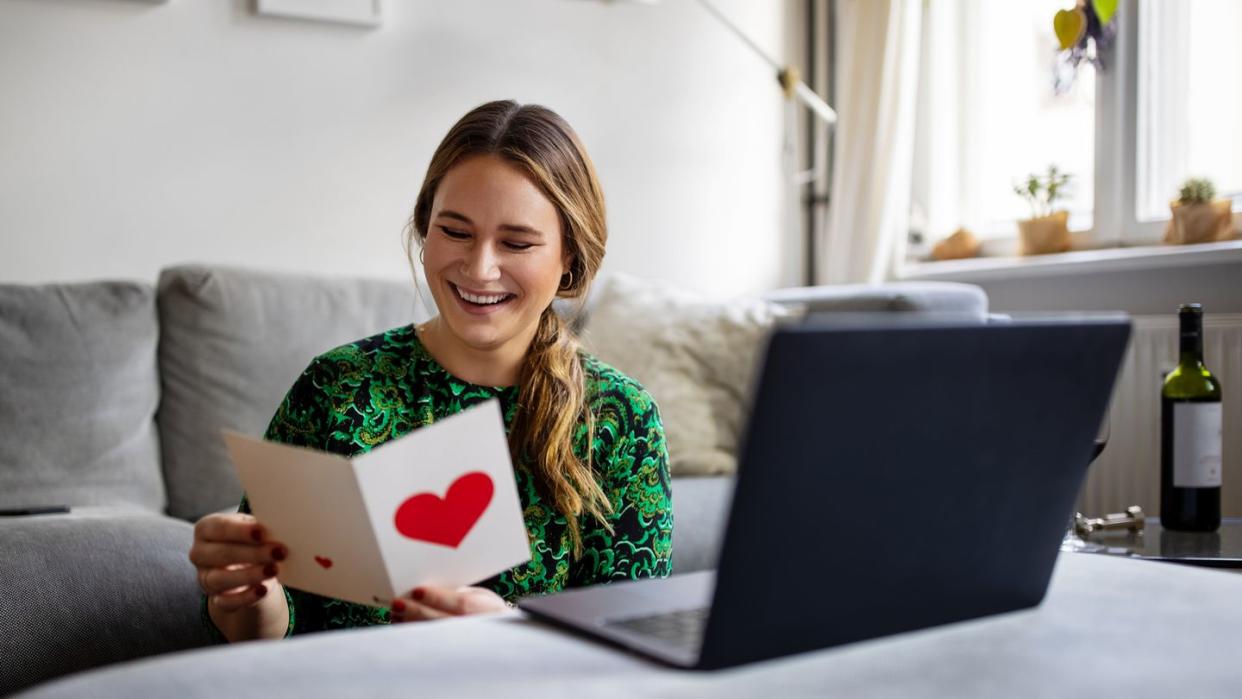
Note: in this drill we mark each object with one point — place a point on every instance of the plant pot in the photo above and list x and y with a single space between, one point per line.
1045 234
960 245
1204 222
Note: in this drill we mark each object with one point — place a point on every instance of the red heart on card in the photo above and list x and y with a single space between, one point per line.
325 562
446 521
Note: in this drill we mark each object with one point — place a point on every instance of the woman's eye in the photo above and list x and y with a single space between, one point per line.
455 234
519 246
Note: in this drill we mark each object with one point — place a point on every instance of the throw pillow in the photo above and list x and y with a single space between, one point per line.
232 341
78 393
694 354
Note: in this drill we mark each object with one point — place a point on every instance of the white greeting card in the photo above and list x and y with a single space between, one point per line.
437 506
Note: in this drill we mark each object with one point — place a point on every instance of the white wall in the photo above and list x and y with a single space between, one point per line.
136 135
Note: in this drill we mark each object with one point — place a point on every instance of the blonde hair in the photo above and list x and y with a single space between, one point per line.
553 401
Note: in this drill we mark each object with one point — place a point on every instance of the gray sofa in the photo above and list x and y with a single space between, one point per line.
112 395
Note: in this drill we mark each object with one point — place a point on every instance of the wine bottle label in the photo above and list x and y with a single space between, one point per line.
1196 445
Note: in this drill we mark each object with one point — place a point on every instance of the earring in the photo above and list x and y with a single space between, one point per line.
567 286
420 256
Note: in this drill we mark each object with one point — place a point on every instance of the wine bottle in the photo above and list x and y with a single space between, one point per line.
1190 435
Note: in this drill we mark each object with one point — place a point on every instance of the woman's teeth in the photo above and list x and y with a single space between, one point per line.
481 300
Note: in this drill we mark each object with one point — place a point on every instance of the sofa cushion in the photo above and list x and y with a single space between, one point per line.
700 507
694 354
963 300
78 394
96 586
232 342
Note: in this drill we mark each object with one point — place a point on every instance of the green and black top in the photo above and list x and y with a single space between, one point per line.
360 395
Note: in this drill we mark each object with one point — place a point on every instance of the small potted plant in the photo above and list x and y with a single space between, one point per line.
1198 216
1047 230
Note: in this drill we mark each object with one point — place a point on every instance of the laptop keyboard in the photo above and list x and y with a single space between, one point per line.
683 627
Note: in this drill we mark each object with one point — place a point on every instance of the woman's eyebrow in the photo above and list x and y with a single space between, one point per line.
511 227
454 215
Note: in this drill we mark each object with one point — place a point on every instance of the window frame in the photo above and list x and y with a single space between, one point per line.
1118 240
1115 221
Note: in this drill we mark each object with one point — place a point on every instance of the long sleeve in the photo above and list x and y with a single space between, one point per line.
368 392
637 483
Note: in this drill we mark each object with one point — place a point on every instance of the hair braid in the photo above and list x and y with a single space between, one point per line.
554 406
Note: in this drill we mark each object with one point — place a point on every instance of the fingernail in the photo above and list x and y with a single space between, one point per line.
269 570
279 553
260 590
256 534
417 593
398 606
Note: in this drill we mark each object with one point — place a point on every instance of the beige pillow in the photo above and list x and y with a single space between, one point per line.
695 355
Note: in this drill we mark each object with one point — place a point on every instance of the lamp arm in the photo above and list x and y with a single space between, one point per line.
787 75
815 103
720 17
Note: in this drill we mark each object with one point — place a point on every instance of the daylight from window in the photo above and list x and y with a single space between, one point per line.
988 116
1189 99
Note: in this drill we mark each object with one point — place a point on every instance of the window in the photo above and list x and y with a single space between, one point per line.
1165 108
987 117
1189 100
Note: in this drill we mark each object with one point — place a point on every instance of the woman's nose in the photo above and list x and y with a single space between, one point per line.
482 264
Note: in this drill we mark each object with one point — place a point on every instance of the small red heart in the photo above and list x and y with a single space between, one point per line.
427 517
325 562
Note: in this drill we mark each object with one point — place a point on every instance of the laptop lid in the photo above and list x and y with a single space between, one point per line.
900 475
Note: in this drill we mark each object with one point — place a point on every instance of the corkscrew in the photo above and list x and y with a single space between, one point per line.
1132 520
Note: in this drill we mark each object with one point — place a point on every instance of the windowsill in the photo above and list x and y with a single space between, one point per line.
1145 257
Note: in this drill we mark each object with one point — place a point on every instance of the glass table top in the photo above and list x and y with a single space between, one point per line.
1219 549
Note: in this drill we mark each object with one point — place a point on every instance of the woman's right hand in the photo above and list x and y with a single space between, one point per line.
237 564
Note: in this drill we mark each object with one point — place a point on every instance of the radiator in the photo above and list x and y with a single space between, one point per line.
1128 471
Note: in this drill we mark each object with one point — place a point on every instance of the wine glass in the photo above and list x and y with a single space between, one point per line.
1101 437
1072 542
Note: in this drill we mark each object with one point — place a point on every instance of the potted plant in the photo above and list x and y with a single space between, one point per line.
1047 229
1198 216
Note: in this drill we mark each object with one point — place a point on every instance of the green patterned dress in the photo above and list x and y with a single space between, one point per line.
360 395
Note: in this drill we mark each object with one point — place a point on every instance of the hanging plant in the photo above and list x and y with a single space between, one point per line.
1084 34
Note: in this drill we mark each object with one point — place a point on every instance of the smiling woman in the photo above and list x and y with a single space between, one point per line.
491 268
509 217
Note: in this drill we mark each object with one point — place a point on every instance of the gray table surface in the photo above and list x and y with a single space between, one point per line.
1109 627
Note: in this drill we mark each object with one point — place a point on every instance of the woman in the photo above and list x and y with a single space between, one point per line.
509 217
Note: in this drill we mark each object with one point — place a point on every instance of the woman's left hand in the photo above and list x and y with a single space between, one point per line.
428 602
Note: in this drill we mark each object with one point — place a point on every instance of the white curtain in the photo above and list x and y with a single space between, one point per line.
877 77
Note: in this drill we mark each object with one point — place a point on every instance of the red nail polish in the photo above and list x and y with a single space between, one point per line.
279 553
418 593
260 590
269 570
398 606
256 534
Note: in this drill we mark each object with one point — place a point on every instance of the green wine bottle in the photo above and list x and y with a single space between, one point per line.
1190 435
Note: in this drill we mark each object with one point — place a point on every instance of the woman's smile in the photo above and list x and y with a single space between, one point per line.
479 303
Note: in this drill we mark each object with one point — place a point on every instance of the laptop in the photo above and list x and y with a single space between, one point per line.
893 476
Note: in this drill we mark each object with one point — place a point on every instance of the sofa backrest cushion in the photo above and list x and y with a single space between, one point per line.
955 298
695 354
232 343
78 394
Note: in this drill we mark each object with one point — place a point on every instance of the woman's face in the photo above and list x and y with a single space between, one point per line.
493 255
